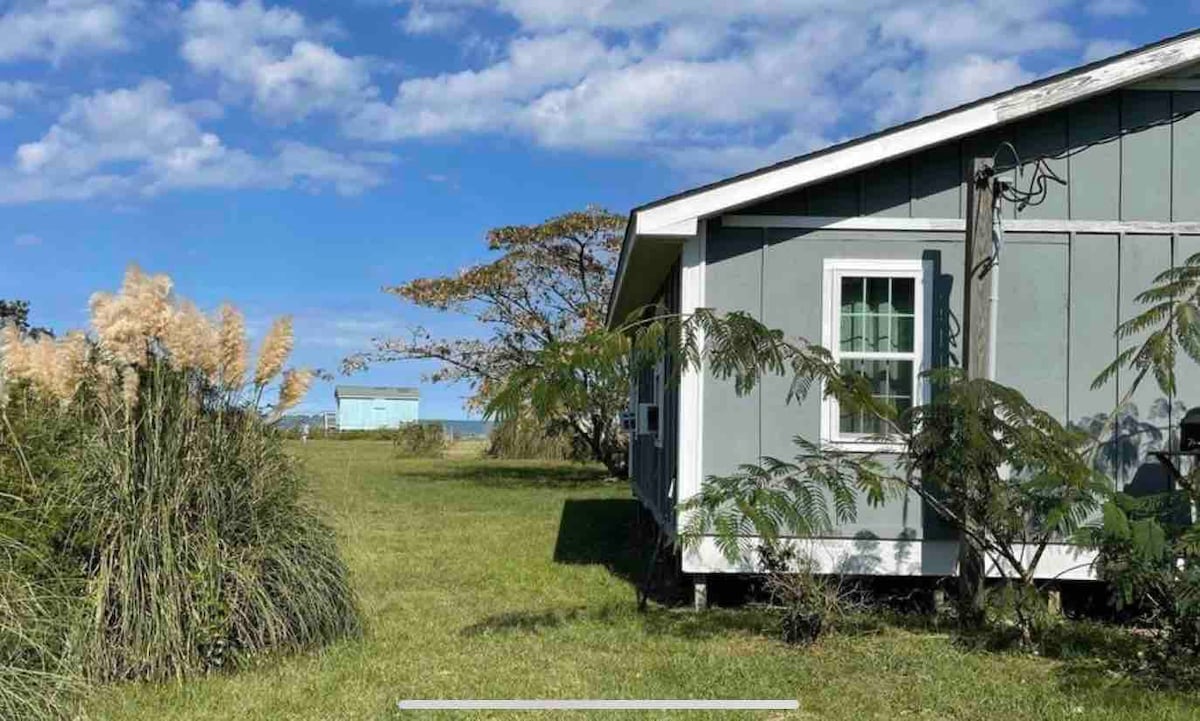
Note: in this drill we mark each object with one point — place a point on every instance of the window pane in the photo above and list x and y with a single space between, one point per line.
852 295
850 422
889 381
877 331
852 331
900 378
902 335
902 295
877 295
876 373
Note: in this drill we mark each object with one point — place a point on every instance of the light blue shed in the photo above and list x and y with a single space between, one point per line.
371 407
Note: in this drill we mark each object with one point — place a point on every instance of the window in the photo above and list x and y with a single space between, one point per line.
874 326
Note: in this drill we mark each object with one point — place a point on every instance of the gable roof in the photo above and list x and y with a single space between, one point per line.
377 392
676 217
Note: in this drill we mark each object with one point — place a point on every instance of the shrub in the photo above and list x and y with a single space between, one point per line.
521 437
1149 551
811 604
420 440
173 495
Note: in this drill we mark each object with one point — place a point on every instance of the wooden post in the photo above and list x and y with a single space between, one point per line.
977 310
981 201
700 592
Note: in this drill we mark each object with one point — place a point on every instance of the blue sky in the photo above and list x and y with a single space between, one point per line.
295 157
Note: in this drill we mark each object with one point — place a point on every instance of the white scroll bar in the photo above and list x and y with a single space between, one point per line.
598 704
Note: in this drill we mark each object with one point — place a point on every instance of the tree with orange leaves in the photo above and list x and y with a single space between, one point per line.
548 287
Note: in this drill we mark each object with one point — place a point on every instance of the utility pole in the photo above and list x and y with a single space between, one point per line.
977 310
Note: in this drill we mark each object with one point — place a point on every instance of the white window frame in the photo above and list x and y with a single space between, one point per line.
834 270
660 382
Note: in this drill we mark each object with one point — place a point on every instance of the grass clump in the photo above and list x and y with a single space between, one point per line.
161 488
420 440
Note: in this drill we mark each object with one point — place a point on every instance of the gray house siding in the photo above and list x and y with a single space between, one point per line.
1122 169
1061 294
653 467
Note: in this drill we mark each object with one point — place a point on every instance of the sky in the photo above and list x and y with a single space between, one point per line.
297 157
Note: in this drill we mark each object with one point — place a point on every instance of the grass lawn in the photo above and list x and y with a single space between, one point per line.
474 587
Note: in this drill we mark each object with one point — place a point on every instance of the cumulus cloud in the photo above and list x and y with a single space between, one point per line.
709 88
57 29
720 83
420 19
14 93
1103 48
139 140
274 55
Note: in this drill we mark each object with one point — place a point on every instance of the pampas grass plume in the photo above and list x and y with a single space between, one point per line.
276 348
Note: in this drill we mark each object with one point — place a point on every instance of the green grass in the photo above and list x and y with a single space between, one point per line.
455 561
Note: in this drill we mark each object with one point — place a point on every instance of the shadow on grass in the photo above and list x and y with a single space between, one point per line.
523 621
505 474
657 621
599 531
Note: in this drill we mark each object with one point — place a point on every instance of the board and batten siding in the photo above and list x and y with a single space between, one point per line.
1127 156
1122 169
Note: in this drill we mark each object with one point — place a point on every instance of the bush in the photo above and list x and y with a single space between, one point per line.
811 604
523 438
420 440
165 490
1149 553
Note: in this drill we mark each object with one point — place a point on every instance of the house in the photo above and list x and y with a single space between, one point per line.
870 234
371 407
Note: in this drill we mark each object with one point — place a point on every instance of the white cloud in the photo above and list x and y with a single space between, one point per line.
140 141
275 56
14 93
706 87
57 29
702 85
27 240
420 19
1100 49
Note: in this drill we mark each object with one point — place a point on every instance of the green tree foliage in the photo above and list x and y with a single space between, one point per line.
1171 324
1149 546
16 313
542 301
1006 475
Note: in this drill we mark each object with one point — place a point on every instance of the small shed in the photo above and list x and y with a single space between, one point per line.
370 407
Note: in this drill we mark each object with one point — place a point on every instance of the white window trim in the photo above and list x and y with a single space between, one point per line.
922 272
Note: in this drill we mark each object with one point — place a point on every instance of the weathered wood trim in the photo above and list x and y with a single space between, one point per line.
812 222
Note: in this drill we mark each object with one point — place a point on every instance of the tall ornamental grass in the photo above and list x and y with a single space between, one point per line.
177 503
38 678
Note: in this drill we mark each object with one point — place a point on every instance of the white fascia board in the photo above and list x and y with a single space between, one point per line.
1023 225
670 217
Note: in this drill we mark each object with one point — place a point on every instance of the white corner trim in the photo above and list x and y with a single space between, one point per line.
958 225
832 271
1132 68
691 383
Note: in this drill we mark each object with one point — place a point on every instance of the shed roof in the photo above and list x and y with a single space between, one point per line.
656 230
384 392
